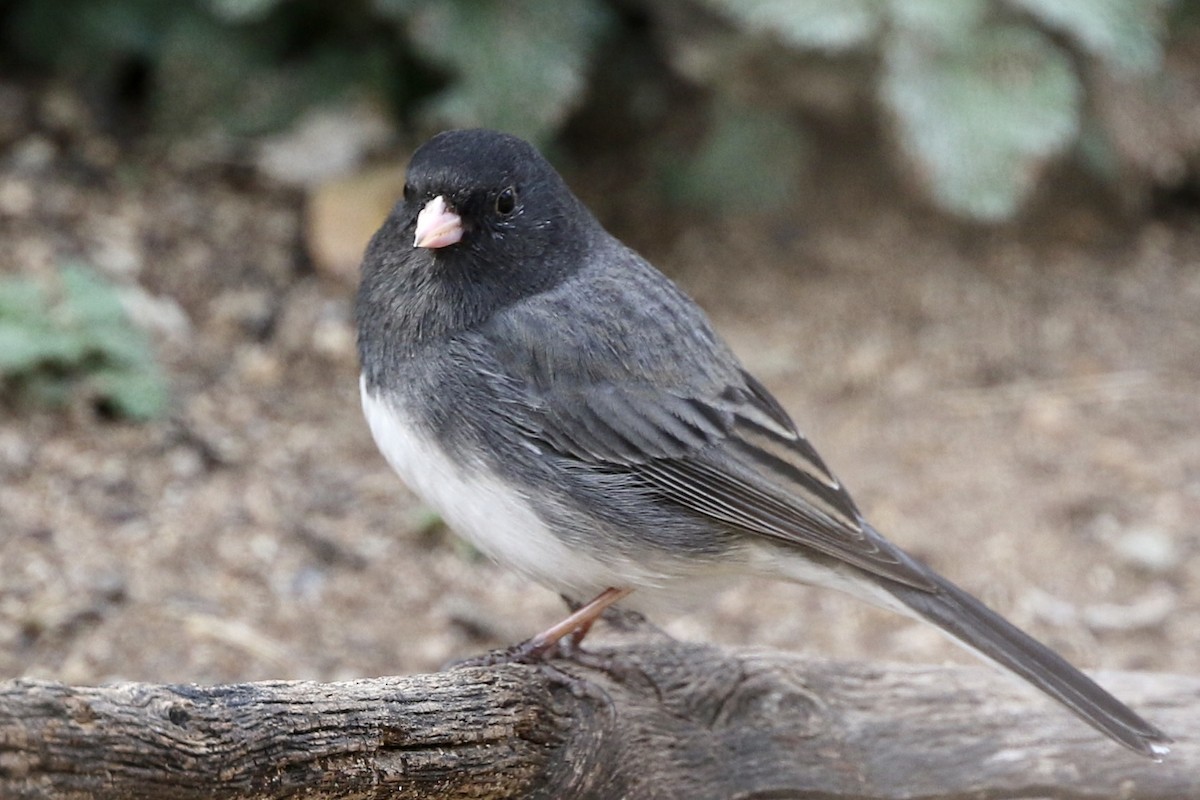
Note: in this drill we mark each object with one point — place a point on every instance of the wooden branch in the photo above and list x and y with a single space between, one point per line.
686 721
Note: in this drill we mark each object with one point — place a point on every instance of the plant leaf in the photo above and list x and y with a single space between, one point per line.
518 67
981 116
750 158
22 299
90 300
85 337
43 389
136 394
831 27
1125 33
938 19
25 347
242 10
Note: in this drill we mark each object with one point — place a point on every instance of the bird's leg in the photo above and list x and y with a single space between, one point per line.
623 619
575 626
568 647
551 641
562 641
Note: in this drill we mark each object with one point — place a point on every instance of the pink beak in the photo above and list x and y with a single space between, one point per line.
437 225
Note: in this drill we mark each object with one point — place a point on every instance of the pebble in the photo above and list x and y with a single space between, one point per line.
33 154
324 144
16 453
1150 610
14 113
63 110
185 462
16 198
116 249
1147 546
243 310
333 336
341 216
258 366
158 314
1050 609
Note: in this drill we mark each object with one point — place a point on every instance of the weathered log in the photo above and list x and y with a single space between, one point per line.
683 721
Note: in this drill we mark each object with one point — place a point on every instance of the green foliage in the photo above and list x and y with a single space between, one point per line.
1125 33
249 66
729 162
524 68
76 338
826 25
936 20
980 96
982 113
253 66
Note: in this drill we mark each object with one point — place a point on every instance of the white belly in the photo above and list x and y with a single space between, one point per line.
483 509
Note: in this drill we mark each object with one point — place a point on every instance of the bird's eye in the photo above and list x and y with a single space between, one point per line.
409 192
506 201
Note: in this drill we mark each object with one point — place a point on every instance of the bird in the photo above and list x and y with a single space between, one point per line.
571 412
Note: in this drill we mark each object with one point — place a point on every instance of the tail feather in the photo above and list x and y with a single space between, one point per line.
983 630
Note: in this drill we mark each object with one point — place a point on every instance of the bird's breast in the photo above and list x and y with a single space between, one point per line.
478 503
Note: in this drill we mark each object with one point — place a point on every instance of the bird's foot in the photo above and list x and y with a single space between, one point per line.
561 642
609 662
542 656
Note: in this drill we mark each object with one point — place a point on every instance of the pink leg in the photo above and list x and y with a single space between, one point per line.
579 622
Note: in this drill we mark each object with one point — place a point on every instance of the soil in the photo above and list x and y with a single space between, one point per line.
1017 406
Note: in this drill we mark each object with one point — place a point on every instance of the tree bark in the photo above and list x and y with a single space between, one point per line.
678 721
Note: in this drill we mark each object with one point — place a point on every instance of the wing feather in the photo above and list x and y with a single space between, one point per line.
734 457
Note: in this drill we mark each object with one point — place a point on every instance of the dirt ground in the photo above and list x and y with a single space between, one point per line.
1018 407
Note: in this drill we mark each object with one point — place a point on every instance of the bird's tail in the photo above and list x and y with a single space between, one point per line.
979 628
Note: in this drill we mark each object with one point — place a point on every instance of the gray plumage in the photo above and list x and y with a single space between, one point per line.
566 387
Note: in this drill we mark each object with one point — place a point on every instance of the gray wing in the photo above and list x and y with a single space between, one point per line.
691 424
688 421
734 457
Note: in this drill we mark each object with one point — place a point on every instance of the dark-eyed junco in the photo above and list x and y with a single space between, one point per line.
572 413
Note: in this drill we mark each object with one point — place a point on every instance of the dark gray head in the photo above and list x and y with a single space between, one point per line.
485 221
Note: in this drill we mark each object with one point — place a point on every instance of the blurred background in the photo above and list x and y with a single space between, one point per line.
961 241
